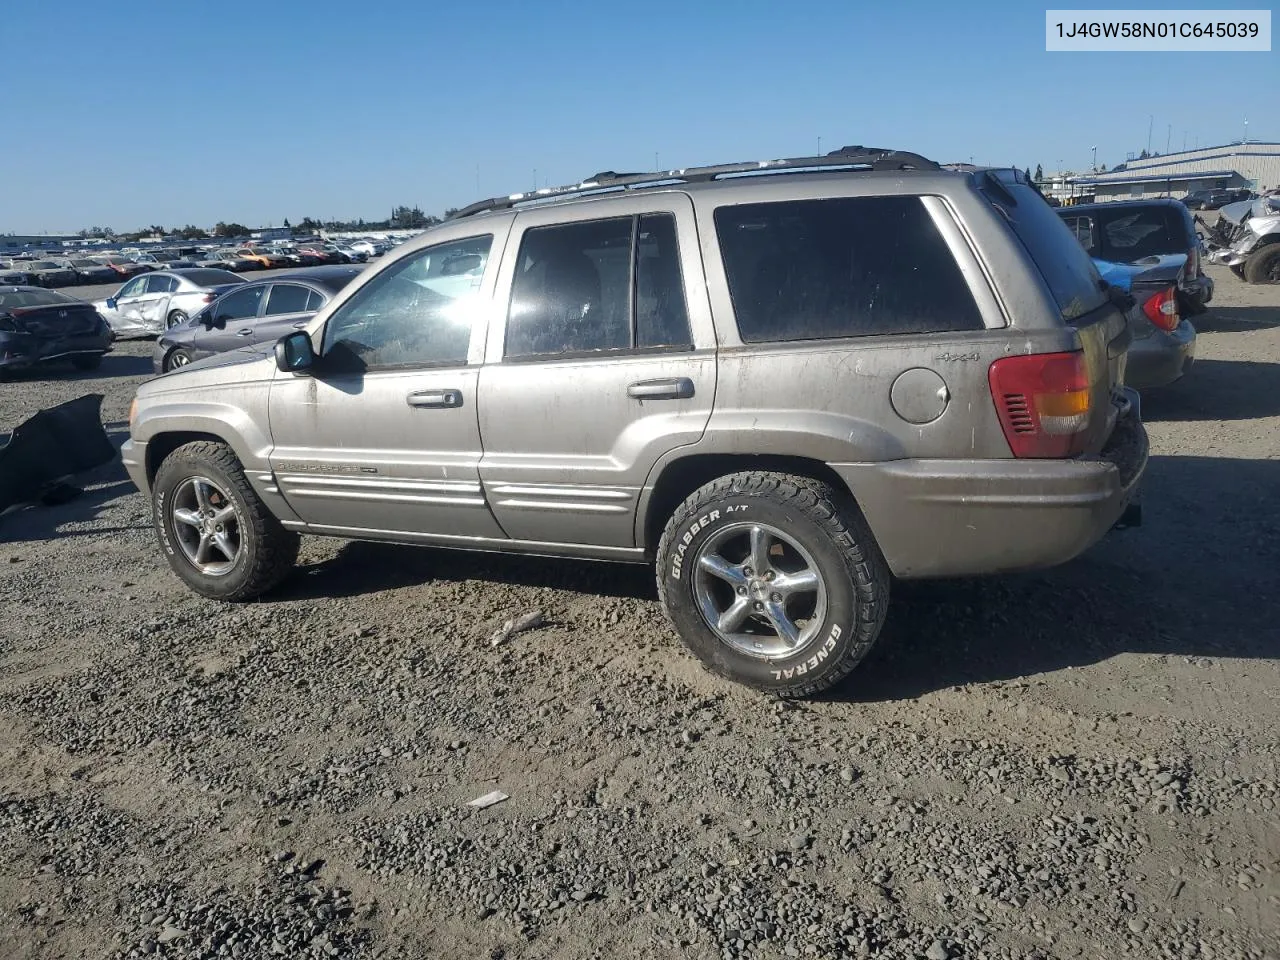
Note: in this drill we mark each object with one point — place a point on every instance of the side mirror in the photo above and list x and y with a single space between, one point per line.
111 303
294 353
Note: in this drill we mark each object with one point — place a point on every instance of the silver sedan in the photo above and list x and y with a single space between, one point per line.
148 305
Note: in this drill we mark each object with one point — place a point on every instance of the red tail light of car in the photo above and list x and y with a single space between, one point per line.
1043 402
1161 309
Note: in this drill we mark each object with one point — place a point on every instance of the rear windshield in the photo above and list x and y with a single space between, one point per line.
1067 270
210 278
1127 234
32 298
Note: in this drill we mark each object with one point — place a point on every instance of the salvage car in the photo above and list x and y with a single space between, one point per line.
123 266
13 273
251 313
1246 238
148 305
50 273
39 326
1164 341
1145 233
91 271
738 379
227 260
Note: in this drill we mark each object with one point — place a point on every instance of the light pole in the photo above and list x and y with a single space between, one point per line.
1151 119
819 153
1094 148
1246 130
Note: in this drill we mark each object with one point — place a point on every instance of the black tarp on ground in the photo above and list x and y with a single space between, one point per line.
55 443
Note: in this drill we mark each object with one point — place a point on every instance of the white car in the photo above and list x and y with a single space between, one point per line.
149 305
367 247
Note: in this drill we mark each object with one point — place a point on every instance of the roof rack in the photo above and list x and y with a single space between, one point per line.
852 157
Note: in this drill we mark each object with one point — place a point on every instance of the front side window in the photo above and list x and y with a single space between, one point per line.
133 288
287 298
238 305
846 267
418 312
602 285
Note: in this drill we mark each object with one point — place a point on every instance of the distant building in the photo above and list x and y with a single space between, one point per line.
1255 166
16 243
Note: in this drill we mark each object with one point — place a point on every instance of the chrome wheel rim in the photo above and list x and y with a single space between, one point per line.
179 359
207 526
759 591
176 318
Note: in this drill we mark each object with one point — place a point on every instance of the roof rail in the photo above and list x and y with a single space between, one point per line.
873 158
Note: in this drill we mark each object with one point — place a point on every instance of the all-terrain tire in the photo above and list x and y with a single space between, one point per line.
828 524
1264 265
267 550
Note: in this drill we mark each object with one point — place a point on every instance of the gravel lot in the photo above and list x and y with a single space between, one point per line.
1081 762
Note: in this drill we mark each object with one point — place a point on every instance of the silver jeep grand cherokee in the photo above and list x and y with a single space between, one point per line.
784 383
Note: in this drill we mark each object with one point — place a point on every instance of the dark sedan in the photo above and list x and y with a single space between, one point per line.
40 326
264 310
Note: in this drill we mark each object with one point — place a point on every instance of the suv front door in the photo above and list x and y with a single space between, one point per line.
606 363
380 437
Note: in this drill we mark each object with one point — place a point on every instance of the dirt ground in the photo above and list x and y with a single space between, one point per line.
1080 762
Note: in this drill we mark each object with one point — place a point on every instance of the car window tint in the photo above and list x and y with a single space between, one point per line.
161 284
287 298
848 267
417 312
315 300
239 304
572 289
662 318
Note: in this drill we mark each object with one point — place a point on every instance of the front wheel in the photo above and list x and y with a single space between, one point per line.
177 359
773 581
1264 265
174 319
218 537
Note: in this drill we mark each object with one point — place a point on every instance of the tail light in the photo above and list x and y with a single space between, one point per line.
1192 268
1162 308
209 297
1043 402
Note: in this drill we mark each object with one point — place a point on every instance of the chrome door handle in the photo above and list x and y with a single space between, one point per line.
245 332
673 388
435 398
301 324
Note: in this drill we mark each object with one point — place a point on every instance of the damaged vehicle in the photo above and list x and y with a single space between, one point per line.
1246 238
149 305
1145 234
40 326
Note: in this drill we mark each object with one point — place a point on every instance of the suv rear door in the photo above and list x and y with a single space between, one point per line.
606 362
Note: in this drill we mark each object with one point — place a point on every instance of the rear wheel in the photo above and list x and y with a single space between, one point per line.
87 361
178 357
218 537
1264 265
175 317
773 581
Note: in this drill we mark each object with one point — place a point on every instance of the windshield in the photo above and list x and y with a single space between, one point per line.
85 263
1066 267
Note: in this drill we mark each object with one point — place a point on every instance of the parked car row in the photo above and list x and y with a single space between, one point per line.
49 270
1216 199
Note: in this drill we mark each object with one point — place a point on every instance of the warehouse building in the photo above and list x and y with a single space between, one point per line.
1254 166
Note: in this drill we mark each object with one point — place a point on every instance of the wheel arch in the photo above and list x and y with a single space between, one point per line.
683 475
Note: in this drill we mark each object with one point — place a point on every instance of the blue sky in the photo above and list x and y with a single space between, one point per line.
254 112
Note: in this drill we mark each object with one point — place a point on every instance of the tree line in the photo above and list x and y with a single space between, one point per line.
401 218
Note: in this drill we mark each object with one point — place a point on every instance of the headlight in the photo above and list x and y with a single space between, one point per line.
133 413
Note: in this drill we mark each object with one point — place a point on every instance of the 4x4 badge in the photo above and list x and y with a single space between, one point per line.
953 357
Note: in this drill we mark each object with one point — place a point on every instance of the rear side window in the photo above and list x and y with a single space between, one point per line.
287 298
601 285
847 267
1067 270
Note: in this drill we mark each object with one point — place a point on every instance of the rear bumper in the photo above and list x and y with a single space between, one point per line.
949 518
1161 358
20 353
